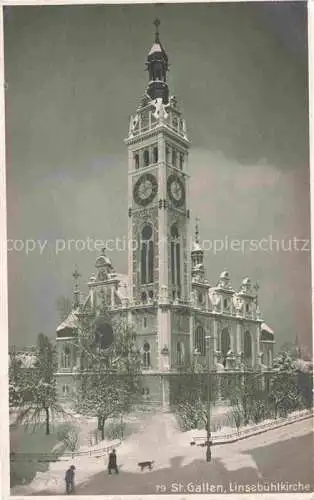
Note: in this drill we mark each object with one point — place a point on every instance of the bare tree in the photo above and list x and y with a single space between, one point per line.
109 382
39 396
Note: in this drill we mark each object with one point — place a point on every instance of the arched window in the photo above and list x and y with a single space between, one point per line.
136 161
147 255
269 357
225 345
158 72
155 154
181 161
146 157
144 297
174 158
200 298
65 389
65 357
145 392
146 355
180 353
247 348
199 340
175 250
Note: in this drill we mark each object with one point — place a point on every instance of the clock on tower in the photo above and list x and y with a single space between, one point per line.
176 190
145 189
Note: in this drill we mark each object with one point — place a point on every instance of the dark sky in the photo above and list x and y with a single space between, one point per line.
75 74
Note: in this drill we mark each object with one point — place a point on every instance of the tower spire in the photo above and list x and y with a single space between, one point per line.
157 66
197 230
157 24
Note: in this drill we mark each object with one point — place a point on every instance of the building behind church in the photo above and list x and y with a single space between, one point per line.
174 309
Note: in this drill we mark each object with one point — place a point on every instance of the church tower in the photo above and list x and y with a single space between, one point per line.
158 203
178 317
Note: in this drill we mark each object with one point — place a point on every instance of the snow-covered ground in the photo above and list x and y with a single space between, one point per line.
158 438
85 464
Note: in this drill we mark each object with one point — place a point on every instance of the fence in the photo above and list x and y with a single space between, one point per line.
54 457
257 429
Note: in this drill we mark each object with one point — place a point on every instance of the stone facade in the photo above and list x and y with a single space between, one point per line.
175 310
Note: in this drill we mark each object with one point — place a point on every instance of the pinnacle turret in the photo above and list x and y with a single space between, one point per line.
197 255
76 291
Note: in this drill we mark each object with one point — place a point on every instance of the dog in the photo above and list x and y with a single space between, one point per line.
148 464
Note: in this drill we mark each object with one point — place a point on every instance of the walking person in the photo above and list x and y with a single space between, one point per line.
69 480
112 464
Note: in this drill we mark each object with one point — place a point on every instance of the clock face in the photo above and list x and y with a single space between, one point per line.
176 191
145 189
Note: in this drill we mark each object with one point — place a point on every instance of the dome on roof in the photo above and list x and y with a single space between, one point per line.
246 281
224 275
103 260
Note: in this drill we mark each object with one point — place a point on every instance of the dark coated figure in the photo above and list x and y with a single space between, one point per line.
112 464
69 480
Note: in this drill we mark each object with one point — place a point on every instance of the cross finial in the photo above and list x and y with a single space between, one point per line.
76 275
76 291
157 23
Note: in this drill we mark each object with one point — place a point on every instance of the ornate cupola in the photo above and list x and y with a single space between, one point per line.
197 256
246 287
104 266
224 281
157 67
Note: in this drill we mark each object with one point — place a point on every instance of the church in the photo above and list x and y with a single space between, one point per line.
176 311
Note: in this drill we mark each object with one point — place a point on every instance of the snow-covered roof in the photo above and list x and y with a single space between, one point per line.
71 322
27 359
155 48
266 328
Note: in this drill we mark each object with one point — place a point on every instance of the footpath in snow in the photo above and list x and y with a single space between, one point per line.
160 439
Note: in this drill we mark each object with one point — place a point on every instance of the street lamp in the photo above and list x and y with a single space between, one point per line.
208 436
